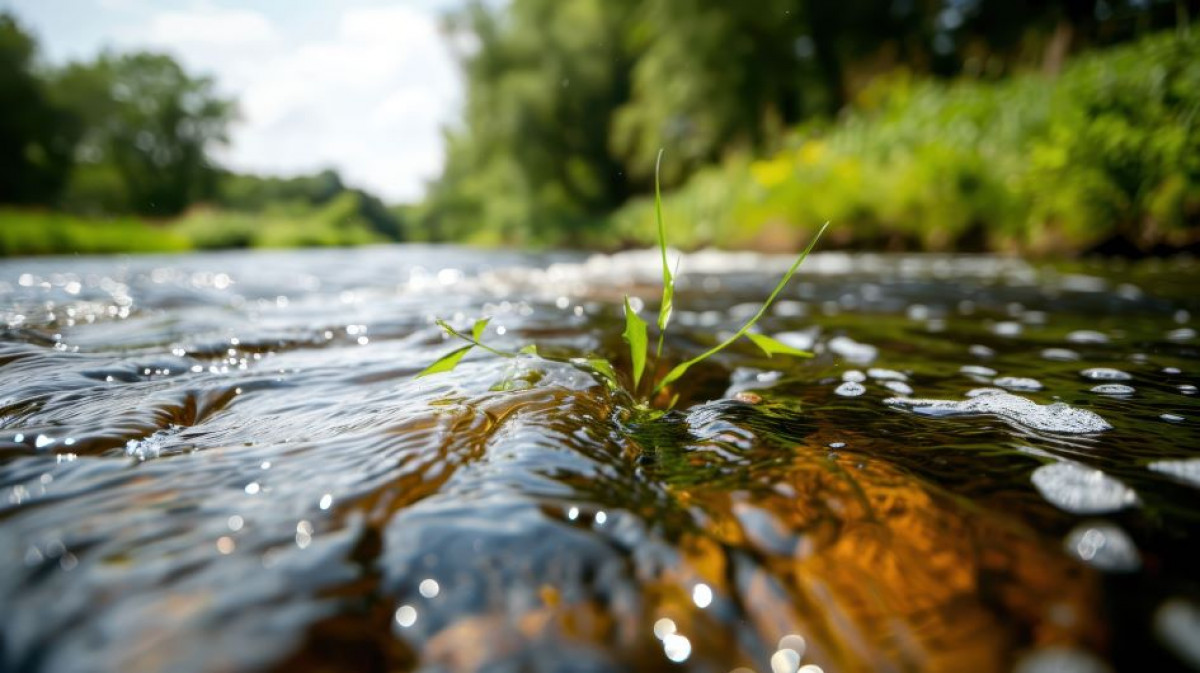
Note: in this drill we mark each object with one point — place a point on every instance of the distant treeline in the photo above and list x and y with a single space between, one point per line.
569 101
1048 125
131 135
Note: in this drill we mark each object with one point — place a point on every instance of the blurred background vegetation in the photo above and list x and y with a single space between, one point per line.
1050 127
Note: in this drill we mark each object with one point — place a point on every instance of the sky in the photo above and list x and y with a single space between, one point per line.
362 86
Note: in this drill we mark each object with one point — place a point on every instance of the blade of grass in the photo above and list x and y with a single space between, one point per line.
635 334
447 362
665 308
473 340
478 327
772 346
681 368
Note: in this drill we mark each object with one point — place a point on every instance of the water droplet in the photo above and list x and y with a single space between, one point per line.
406 616
785 661
664 627
677 648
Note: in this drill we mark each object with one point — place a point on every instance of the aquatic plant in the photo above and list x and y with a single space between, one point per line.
636 332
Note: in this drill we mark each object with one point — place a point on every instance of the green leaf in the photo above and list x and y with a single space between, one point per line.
599 366
684 366
477 329
531 349
447 362
772 346
665 308
635 334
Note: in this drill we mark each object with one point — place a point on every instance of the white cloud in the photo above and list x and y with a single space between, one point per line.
367 96
211 28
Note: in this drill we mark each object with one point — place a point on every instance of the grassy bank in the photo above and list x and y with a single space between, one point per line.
38 232
1108 150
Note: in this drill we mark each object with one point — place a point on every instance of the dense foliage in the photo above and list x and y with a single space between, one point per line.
1106 153
568 101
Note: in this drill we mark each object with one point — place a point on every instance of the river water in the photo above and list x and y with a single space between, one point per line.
223 462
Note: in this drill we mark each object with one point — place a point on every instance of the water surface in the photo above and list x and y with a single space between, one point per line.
223 462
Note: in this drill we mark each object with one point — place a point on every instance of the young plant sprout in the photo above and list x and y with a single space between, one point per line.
636 331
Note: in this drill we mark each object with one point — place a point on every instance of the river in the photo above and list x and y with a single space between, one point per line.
224 462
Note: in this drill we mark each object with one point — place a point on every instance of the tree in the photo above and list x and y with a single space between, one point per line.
36 137
147 130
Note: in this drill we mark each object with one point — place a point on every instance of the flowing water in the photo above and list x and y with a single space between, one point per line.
223 462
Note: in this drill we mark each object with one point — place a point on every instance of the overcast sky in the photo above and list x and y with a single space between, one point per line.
363 86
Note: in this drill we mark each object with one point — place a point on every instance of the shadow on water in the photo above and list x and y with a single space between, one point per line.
224 463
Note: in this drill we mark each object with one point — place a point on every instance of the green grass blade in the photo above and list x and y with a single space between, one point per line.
772 346
477 329
668 296
681 368
474 340
530 349
447 362
635 334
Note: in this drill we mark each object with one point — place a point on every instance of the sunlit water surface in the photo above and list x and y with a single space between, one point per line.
223 462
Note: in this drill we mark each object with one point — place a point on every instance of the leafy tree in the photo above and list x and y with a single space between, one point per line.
36 137
148 127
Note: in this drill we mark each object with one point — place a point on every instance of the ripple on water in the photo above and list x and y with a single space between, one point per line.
1104 546
1079 489
1057 417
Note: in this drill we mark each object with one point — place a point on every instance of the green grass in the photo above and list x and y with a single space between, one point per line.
35 232
643 395
42 233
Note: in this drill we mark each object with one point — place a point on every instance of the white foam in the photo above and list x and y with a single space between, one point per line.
1080 489
1060 354
1186 470
1018 383
1087 336
1057 417
1105 374
880 374
858 353
850 389
1114 389
1104 546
